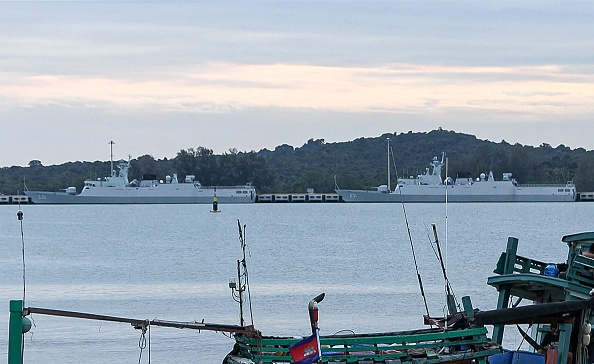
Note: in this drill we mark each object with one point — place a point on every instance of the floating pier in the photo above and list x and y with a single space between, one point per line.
297 197
14 199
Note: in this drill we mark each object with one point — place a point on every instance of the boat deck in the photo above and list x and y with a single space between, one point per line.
429 346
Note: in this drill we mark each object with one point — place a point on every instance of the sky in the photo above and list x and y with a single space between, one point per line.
157 77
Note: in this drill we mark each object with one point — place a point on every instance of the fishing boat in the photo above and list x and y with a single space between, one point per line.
116 189
430 187
563 297
561 294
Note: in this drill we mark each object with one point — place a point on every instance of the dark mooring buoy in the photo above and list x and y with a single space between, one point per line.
215 205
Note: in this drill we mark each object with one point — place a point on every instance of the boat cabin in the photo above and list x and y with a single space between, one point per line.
558 293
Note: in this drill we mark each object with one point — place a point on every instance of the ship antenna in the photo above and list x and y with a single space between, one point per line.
111 143
388 165
446 233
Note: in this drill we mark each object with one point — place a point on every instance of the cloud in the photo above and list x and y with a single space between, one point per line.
260 74
219 87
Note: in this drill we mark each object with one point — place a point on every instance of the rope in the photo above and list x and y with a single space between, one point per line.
142 341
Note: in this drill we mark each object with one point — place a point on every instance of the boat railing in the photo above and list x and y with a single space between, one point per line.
521 265
581 271
249 187
379 348
542 185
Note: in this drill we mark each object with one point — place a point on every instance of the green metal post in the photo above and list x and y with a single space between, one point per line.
451 304
467 303
502 302
510 255
15 333
564 337
505 291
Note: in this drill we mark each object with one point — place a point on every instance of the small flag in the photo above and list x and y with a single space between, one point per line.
306 351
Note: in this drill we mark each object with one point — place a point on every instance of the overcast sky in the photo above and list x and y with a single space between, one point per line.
156 77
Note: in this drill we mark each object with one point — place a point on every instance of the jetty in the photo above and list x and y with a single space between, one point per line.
14 199
297 197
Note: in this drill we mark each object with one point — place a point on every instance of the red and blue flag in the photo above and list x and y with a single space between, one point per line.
306 351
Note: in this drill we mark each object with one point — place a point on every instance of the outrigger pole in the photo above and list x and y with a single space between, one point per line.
137 323
20 324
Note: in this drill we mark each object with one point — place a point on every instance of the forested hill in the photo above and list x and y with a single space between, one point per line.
361 163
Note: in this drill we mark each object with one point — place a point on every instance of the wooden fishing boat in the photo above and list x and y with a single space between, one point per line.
417 346
565 299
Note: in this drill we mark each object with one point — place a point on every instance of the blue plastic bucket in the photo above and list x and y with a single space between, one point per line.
503 358
551 270
527 357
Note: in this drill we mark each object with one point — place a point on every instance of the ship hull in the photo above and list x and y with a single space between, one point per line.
466 193
161 194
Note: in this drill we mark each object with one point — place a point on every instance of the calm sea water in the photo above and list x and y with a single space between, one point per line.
173 262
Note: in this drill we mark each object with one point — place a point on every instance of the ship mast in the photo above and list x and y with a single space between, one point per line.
388 165
111 143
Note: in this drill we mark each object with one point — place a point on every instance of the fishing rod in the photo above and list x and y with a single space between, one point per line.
412 247
451 302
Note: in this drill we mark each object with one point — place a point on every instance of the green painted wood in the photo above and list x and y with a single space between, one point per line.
502 302
467 304
379 348
15 333
374 339
580 237
564 338
510 255
500 267
384 358
584 261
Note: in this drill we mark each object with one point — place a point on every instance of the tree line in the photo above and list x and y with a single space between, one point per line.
359 164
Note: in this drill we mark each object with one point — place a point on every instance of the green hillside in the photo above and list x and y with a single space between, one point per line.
360 163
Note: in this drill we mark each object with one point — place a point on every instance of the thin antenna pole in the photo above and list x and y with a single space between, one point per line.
446 235
111 143
388 165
